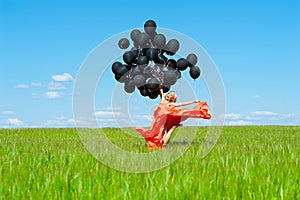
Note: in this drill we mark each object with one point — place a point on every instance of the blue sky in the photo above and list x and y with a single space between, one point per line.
255 45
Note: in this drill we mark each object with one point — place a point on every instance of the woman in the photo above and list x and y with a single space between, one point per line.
167 116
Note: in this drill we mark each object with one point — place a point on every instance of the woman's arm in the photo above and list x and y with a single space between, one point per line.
185 103
161 92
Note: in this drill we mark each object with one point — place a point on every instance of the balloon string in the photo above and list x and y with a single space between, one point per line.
130 73
140 50
151 44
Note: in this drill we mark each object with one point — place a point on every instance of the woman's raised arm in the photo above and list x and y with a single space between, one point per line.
161 92
185 103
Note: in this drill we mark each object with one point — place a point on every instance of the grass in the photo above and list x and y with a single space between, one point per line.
249 162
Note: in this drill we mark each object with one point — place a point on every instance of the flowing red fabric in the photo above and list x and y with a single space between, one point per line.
166 116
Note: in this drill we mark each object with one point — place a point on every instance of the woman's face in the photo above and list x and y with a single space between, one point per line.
171 97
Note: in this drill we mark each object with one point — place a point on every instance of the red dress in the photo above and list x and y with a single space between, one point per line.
166 116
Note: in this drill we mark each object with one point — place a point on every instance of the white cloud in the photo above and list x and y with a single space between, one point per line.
60 121
113 117
15 121
53 95
35 126
109 114
118 117
232 116
257 96
26 86
22 86
113 108
288 116
8 112
62 78
36 84
61 118
239 123
110 122
261 117
71 120
265 113
106 120
84 122
274 115
56 86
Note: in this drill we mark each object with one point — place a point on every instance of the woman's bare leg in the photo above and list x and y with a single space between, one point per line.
167 136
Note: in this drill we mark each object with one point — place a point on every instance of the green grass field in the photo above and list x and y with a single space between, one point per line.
250 162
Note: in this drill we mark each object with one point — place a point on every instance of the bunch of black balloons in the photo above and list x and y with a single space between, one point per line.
148 65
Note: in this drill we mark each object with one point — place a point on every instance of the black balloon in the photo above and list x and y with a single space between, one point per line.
159 41
172 46
150 27
170 77
116 66
152 83
123 43
133 35
144 50
171 63
144 92
182 64
152 54
139 80
142 60
195 72
166 88
136 44
153 94
135 71
170 53
143 39
152 35
128 57
128 67
161 72
135 52
117 77
129 86
141 87
122 70
192 58
120 78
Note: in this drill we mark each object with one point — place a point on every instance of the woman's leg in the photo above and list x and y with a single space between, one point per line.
167 136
